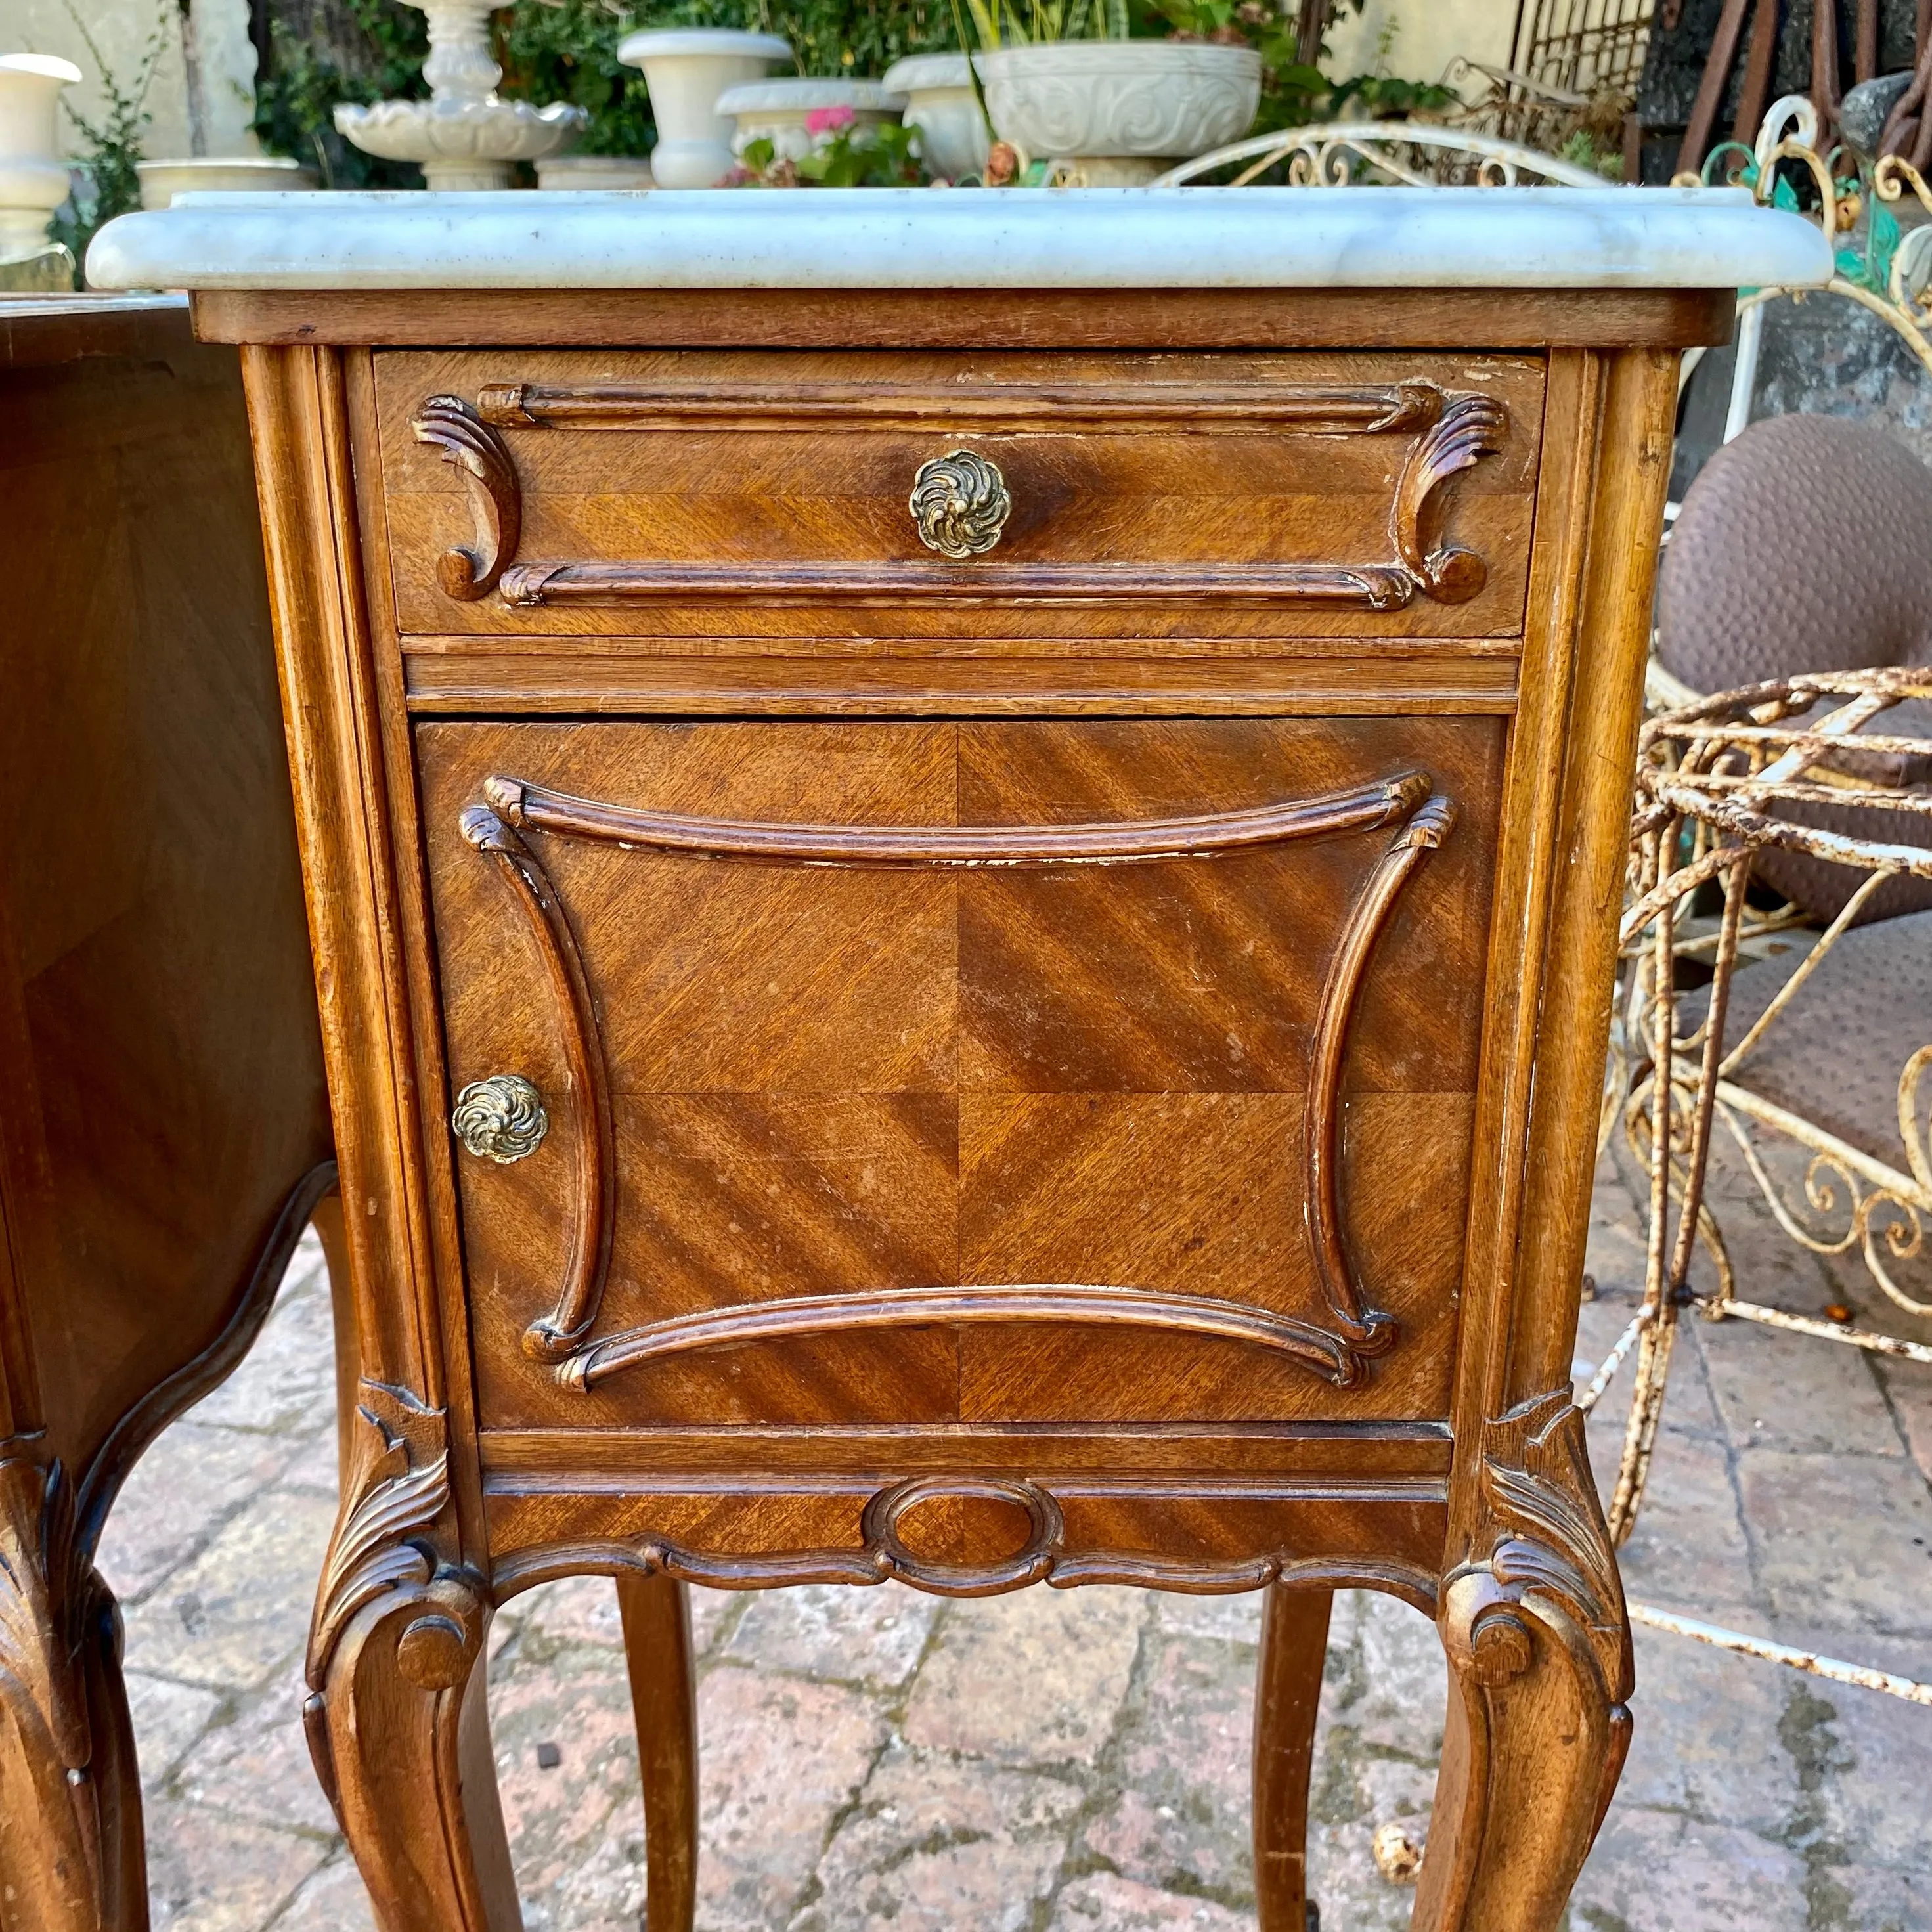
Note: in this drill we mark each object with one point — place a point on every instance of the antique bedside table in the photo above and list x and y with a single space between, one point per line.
963 852
165 1134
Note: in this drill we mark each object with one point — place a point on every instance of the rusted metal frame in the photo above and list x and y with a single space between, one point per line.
1806 967
1889 1189
1812 1662
1665 1284
1868 1339
1607 1369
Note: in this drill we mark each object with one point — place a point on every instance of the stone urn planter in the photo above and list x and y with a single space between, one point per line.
1118 112
465 135
777 111
33 178
686 69
953 136
225 174
572 173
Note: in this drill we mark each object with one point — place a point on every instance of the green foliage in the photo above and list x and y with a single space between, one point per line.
850 156
1293 92
839 38
567 50
1018 23
295 100
113 143
1581 151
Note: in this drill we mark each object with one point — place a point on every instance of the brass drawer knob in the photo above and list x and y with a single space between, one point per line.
500 1119
960 503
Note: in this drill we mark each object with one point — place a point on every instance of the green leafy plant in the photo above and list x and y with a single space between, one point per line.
1019 23
380 59
567 50
845 155
113 142
833 38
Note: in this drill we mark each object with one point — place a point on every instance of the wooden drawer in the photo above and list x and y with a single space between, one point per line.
1174 501
1002 1073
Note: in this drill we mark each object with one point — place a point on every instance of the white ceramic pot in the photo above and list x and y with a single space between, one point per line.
686 69
33 179
1162 100
953 136
224 174
572 173
777 111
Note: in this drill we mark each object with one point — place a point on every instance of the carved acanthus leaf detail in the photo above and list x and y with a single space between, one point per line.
400 1486
1545 1526
448 424
1472 427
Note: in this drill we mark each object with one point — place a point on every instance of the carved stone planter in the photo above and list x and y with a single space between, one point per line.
686 70
953 136
225 174
577 173
777 111
1117 109
33 178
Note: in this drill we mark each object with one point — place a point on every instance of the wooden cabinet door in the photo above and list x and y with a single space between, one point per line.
997 1073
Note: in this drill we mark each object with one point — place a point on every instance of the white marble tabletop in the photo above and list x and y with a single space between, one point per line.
1185 238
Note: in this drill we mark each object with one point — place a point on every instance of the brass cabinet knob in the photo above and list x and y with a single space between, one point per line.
960 503
500 1119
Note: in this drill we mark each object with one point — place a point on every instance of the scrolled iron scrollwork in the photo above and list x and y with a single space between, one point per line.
960 504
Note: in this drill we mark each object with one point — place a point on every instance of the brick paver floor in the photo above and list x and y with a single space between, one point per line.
1077 1761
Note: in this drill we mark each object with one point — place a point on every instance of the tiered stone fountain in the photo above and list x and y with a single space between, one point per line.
465 136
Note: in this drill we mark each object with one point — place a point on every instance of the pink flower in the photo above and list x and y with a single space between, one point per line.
828 120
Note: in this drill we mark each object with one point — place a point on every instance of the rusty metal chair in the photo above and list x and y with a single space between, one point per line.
1778 942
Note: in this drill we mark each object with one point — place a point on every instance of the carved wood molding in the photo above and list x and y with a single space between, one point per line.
1317 409
395 1493
1378 586
53 1863
1128 842
1455 433
449 424
1545 1527
552 1337
1472 427
1367 1331
1042 1558
1339 1353
787 1317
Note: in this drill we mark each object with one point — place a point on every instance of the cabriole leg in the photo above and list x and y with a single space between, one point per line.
1538 1645
401 1738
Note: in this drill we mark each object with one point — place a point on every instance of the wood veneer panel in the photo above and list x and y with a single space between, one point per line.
840 1081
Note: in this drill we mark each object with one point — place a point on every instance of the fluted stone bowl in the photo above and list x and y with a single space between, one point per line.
1169 99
